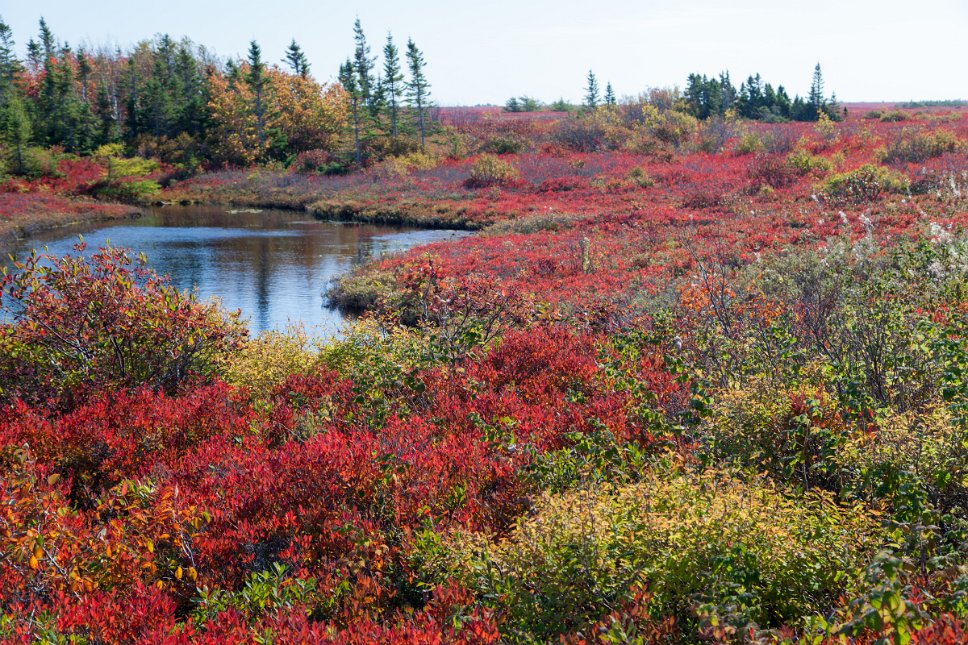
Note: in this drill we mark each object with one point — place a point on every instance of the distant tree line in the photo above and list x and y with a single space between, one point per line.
175 100
925 104
706 97
755 99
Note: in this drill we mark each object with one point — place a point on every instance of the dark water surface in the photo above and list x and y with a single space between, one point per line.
273 265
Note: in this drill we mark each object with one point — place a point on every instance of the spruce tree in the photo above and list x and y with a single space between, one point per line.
256 79
592 97
363 64
392 81
296 59
816 99
418 89
348 79
16 130
35 55
47 42
9 65
609 94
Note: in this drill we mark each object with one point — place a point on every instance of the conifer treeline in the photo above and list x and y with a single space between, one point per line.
706 97
176 100
755 99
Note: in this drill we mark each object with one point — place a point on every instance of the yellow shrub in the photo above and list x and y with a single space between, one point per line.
491 170
403 165
268 359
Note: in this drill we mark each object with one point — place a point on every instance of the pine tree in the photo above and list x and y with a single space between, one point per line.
392 81
592 98
296 59
418 89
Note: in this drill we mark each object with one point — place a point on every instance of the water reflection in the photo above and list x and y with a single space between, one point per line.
273 265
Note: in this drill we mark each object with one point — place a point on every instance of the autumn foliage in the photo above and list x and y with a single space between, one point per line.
669 393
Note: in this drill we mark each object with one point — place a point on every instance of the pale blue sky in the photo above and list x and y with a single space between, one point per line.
488 50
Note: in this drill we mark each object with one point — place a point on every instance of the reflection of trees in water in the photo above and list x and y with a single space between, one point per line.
263 271
271 265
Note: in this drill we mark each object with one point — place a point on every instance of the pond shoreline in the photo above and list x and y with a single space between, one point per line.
335 210
272 264
18 228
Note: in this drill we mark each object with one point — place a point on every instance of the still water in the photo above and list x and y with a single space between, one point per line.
273 265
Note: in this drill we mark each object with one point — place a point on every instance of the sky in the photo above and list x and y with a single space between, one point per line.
486 51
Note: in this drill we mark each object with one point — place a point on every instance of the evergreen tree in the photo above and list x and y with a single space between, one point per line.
816 99
193 104
392 81
727 93
296 59
363 64
592 98
348 79
561 105
48 44
609 94
256 79
16 130
104 113
84 71
35 55
694 96
9 65
417 88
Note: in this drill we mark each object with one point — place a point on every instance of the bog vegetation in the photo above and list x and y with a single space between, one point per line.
700 377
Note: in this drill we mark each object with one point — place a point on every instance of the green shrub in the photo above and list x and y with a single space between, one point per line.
711 548
503 145
361 289
893 116
749 143
806 163
864 184
382 363
137 191
264 594
917 147
639 178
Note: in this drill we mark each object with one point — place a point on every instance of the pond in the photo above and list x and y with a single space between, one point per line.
274 266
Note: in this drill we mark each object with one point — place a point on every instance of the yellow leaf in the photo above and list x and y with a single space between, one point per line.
178 573
192 573
34 563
